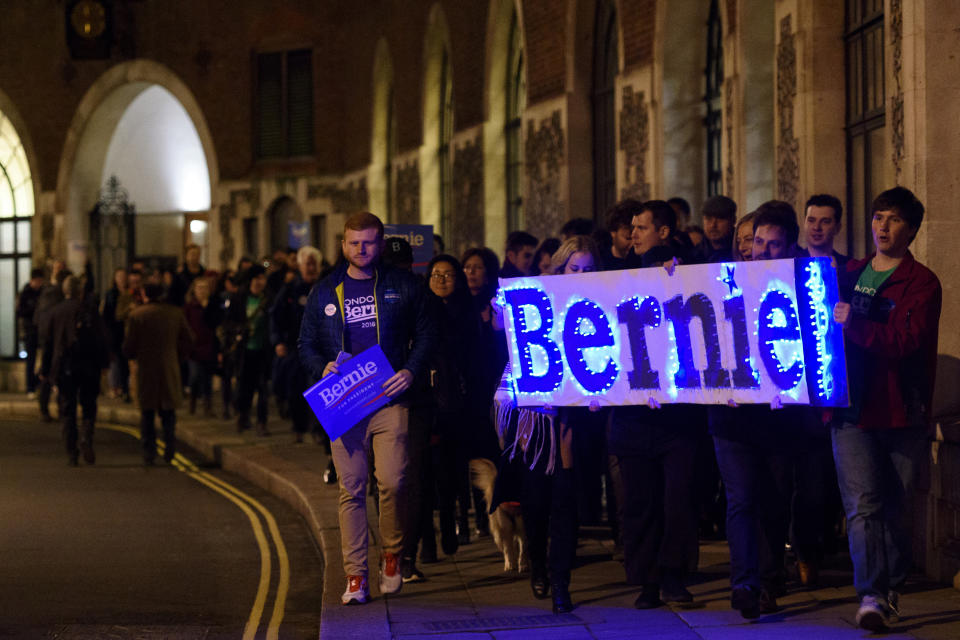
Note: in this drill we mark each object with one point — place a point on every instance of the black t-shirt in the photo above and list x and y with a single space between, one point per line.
360 315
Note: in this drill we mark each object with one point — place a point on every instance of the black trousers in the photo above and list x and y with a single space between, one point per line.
148 433
659 510
549 506
451 468
254 377
74 388
30 346
420 489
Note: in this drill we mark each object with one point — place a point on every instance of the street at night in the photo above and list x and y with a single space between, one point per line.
120 550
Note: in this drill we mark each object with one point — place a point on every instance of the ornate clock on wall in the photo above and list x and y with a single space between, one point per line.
89 28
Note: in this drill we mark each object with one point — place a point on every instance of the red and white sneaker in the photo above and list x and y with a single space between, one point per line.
391 579
357 591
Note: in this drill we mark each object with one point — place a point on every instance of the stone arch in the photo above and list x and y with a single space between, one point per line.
383 137
437 80
499 17
88 139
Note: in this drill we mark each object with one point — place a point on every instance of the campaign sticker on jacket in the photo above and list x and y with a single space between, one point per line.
341 400
330 309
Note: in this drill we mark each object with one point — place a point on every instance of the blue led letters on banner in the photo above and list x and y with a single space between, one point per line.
586 327
533 337
778 334
571 336
637 313
680 313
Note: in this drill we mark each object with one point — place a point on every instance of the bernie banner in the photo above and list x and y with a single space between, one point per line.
751 332
341 400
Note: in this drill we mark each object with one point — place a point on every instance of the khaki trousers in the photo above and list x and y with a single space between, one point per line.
385 433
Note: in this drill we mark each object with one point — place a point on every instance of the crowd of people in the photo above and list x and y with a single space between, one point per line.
662 477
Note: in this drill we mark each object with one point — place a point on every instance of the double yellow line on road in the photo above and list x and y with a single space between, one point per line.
244 502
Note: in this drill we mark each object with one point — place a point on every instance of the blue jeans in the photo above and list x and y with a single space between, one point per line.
875 471
758 486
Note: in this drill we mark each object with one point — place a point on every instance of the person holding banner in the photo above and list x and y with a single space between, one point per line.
656 449
541 476
890 313
361 304
755 447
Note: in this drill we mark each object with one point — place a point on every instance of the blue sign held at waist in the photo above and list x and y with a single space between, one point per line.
341 400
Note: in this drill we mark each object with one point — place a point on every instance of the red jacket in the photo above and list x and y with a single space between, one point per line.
892 352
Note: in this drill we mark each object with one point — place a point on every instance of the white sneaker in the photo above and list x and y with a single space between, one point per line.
357 591
391 579
871 615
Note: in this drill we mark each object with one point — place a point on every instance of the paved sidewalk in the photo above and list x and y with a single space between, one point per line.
469 596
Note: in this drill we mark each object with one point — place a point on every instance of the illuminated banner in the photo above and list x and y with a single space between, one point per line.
751 332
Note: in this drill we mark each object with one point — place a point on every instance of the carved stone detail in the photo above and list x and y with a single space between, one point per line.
467 179
544 149
635 142
788 148
347 199
896 100
408 193
225 216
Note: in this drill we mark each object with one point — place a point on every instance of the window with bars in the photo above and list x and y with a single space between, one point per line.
284 104
443 152
516 98
866 117
606 62
16 215
712 97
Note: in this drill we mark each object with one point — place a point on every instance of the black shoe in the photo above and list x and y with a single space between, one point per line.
649 597
768 601
561 598
330 474
746 600
46 417
463 537
540 586
148 462
73 460
673 589
409 571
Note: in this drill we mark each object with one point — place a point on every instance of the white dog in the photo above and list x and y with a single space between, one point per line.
506 523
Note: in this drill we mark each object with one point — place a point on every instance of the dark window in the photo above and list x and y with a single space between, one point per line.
516 97
284 104
606 62
318 231
865 118
251 247
446 133
713 100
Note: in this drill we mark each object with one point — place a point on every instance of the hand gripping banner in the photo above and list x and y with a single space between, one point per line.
751 332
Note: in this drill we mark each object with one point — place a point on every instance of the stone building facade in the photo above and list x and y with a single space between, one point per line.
482 116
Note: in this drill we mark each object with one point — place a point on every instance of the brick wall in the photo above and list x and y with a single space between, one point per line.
544 33
637 24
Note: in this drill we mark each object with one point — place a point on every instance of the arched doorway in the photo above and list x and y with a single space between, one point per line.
140 124
17 206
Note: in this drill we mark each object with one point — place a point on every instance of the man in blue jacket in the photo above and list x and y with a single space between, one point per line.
360 304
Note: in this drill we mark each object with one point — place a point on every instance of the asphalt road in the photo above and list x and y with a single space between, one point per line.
118 550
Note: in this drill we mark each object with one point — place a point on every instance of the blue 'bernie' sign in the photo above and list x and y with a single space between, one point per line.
750 332
342 400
